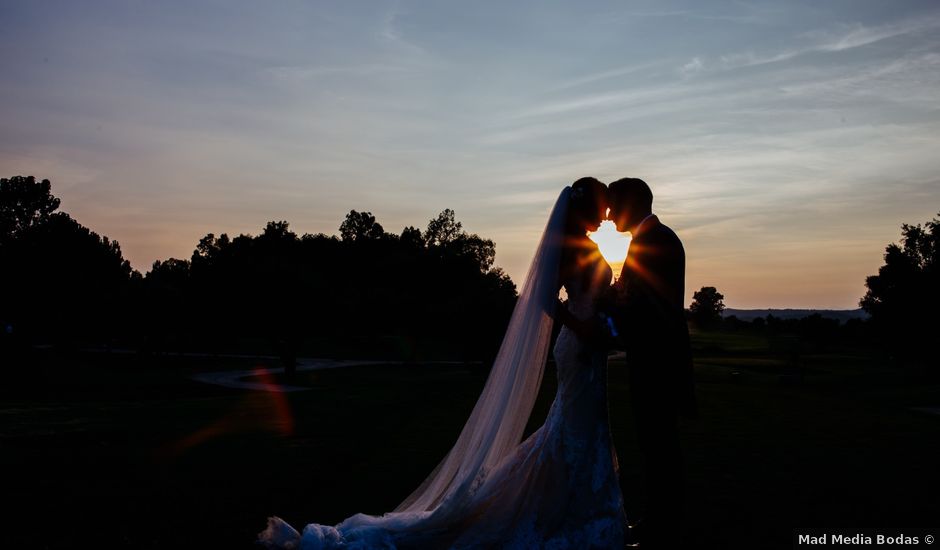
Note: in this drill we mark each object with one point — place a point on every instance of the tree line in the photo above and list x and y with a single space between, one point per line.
902 301
365 292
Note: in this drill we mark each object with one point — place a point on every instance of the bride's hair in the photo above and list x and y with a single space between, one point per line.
586 200
587 196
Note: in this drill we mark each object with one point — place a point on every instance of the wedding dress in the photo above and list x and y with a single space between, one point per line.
557 489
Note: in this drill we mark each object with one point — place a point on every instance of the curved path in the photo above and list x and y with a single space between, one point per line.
234 378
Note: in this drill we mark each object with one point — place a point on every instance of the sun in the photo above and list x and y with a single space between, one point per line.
612 244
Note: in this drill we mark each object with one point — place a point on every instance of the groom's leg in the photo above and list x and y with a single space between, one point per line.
666 496
656 422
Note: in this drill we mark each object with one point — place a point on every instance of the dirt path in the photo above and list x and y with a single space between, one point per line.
234 378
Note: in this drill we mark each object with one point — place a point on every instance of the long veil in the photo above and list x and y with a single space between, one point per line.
496 425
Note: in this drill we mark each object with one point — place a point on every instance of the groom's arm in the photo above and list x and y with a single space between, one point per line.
613 304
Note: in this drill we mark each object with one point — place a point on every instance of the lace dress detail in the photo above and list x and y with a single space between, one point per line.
558 490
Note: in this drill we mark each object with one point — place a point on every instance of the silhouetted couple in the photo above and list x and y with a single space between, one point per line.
559 488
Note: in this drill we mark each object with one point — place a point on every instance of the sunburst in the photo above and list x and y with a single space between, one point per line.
612 244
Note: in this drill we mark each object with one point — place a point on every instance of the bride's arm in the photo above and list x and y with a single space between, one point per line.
586 330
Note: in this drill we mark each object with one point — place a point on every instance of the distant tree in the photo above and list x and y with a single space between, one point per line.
446 238
707 305
411 236
817 331
67 282
733 323
24 203
278 231
475 250
209 250
443 229
162 300
171 272
903 299
61 281
360 226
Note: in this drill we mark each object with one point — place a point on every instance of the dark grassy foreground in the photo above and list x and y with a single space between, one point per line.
120 452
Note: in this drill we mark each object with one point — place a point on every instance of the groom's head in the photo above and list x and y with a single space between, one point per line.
630 201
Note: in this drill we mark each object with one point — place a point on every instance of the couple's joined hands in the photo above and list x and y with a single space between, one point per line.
595 331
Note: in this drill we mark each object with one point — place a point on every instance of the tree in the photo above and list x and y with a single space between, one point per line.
903 299
360 226
446 238
172 272
210 249
411 236
478 251
24 203
66 281
707 305
61 281
278 231
443 229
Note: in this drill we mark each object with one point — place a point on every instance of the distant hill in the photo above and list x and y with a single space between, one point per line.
842 315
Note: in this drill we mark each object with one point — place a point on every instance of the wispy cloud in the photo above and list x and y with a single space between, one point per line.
596 77
840 38
692 67
746 16
291 73
857 35
889 80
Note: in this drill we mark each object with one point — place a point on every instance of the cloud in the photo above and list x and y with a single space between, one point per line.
889 81
857 35
296 72
750 59
582 103
692 67
753 15
843 37
594 78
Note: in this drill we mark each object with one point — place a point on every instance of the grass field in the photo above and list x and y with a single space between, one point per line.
115 451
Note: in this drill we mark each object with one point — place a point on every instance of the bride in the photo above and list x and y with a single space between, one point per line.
556 489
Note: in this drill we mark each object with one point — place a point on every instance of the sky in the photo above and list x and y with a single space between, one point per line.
785 142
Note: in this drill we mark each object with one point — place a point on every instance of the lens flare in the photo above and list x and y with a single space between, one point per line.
612 244
258 411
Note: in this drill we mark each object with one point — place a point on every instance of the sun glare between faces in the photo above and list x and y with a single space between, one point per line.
612 244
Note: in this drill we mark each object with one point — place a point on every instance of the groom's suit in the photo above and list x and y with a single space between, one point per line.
650 317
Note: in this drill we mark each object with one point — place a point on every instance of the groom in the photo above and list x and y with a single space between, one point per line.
649 314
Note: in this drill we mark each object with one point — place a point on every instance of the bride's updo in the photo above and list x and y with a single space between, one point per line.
587 204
